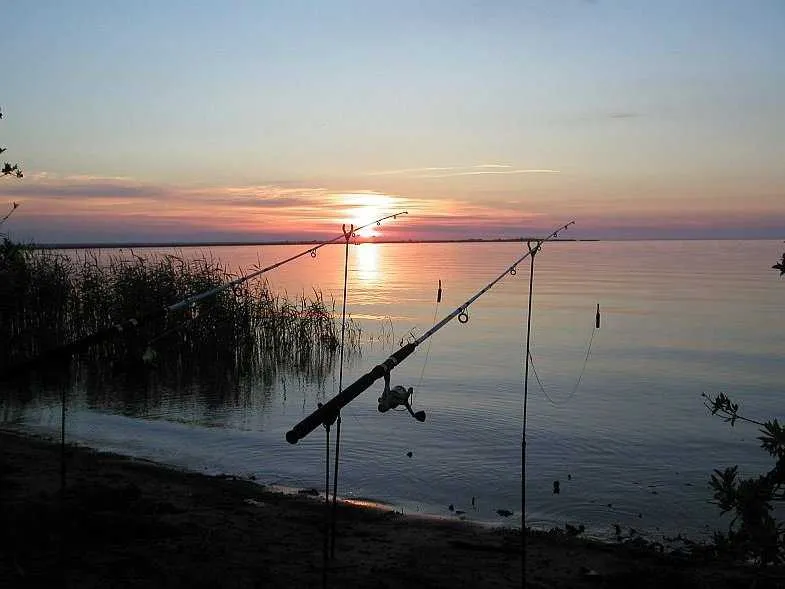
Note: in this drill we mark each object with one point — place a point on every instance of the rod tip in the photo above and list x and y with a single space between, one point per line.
292 437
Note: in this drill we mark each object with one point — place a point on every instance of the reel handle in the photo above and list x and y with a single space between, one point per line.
419 416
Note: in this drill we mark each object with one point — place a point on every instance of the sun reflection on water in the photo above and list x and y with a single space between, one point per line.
366 256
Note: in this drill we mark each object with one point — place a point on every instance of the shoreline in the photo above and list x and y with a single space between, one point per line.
597 530
135 523
424 512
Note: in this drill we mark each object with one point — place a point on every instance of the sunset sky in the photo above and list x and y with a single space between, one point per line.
262 120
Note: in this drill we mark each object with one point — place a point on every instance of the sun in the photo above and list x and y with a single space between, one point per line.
363 208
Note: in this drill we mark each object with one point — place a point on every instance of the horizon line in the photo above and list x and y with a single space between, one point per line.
361 241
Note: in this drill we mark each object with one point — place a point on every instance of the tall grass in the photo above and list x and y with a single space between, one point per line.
48 299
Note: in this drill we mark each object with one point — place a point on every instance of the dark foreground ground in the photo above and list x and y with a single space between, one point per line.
127 523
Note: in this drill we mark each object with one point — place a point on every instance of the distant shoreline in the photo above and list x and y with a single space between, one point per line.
314 242
175 244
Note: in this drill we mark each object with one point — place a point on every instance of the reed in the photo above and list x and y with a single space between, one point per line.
48 299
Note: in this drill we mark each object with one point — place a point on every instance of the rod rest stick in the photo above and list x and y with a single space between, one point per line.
329 411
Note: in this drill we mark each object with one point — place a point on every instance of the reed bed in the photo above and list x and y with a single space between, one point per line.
48 299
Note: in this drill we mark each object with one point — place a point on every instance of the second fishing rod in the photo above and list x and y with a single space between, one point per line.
130 324
327 413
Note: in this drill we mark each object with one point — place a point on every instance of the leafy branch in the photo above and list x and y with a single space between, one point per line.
729 411
9 169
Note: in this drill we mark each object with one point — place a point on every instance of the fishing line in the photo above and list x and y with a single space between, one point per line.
433 322
133 323
595 328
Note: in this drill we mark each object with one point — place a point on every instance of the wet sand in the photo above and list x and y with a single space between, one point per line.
128 523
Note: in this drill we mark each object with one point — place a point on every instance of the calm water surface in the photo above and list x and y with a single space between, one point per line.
632 444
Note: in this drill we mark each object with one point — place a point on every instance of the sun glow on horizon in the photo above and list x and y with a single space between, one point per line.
363 208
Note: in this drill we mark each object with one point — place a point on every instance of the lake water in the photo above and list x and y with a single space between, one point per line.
632 444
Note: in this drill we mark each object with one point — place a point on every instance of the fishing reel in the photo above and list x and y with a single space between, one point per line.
397 396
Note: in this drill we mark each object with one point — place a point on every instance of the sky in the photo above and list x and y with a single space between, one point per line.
260 120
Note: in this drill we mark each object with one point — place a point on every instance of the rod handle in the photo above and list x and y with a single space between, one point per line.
328 412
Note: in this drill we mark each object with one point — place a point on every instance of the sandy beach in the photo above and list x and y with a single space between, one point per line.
129 523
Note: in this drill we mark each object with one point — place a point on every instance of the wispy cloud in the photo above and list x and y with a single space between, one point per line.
81 190
601 116
453 171
490 172
406 171
624 115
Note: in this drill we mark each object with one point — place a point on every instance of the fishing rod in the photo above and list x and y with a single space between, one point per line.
67 350
327 413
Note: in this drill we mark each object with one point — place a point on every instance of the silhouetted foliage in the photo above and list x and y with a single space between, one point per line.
9 169
780 265
754 532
